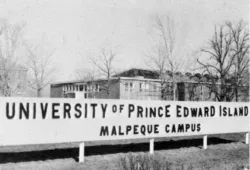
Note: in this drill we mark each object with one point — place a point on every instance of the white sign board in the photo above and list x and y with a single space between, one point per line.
42 121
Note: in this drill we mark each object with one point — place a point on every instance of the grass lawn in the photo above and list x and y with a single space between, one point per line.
224 152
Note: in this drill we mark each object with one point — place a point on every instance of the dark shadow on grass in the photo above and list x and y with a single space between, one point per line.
13 157
38 155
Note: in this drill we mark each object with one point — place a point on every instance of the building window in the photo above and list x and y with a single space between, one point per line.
126 86
154 88
141 87
131 86
146 86
80 87
97 87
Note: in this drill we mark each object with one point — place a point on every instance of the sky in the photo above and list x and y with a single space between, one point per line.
78 29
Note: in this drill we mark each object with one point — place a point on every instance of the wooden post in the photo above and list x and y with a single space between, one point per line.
151 147
205 142
247 138
81 152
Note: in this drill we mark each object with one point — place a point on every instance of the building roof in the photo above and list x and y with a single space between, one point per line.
134 72
144 74
99 80
68 82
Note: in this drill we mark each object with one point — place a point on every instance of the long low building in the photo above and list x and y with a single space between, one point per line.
142 85
119 88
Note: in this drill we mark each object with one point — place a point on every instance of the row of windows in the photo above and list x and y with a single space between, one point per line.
73 87
81 87
143 86
129 86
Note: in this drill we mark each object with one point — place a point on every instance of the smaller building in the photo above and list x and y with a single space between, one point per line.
115 88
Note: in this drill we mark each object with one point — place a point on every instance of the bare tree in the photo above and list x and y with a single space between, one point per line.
105 64
240 42
40 68
219 65
85 74
163 56
12 74
156 60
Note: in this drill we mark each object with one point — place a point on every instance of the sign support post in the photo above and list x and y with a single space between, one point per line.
81 152
247 138
205 142
151 147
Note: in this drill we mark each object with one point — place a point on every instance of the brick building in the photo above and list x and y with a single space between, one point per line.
143 85
120 88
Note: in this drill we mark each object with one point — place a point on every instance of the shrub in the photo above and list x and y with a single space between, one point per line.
156 162
143 162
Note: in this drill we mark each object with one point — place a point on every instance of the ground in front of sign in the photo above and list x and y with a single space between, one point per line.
224 152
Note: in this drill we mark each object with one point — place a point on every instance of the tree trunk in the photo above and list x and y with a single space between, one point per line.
223 89
236 95
174 84
162 91
38 94
174 91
